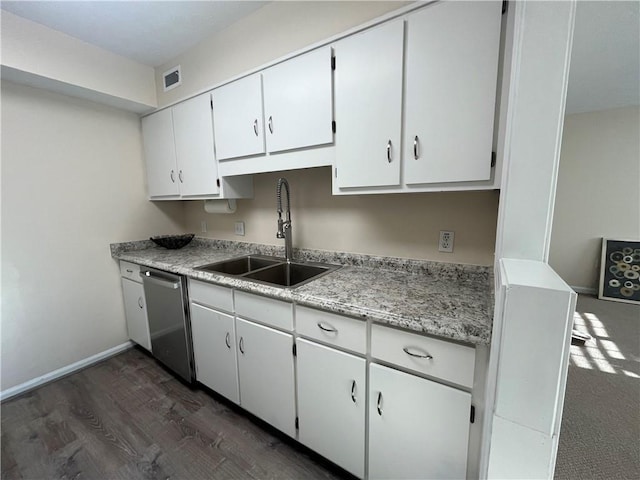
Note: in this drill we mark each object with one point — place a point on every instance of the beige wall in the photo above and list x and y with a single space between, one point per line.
271 32
598 194
48 54
72 182
403 225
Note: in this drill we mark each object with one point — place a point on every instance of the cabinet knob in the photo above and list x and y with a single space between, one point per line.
226 341
415 148
421 354
270 124
389 159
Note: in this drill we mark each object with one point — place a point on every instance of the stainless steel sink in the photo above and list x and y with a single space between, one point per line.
289 274
240 265
273 271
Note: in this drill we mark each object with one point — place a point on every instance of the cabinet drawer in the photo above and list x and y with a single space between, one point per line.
130 270
333 329
265 310
449 361
214 296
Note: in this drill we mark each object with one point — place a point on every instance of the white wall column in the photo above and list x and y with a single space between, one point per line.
520 437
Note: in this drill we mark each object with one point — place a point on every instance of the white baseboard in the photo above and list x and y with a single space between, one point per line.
61 372
586 290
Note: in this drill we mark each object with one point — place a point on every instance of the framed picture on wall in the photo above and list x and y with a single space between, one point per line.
620 271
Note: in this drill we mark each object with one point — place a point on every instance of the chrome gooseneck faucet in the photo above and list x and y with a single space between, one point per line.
284 226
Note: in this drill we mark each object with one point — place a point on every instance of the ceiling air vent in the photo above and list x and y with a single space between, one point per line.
172 78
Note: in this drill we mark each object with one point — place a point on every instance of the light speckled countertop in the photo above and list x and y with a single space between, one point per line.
446 300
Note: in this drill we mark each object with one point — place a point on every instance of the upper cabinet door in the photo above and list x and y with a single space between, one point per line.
368 95
451 77
160 154
193 128
298 102
237 118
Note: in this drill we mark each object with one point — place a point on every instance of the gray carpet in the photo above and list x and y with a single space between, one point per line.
600 432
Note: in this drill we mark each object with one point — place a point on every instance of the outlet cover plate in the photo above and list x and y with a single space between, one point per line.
239 228
446 241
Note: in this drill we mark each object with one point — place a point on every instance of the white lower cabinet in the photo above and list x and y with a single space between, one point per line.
265 370
331 404
417 428
135 310
214 350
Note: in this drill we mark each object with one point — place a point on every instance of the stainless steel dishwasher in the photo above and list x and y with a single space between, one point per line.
169 325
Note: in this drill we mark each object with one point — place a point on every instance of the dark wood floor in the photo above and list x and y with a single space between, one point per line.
127 418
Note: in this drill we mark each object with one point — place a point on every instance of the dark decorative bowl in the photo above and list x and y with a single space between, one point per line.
173 242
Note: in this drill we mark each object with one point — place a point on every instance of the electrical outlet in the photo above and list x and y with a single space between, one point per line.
446 241
203 226
239 228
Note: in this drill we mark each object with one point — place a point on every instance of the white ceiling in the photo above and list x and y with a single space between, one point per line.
605 63
149 32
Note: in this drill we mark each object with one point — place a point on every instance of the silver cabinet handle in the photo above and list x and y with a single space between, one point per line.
353 391
330 329
129 270
271 124
241 345
173 176
226 340
180 176
415 148
379 403
140 304
255 127
389 151
417 355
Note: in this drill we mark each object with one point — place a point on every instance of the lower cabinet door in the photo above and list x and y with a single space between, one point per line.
214 351
265 369
135 310
417 428
331 404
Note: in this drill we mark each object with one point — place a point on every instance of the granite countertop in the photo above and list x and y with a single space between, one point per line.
446 300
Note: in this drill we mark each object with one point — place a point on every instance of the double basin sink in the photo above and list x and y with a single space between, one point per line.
272 271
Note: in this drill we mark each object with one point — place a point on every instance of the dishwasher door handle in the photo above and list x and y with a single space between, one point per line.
148 276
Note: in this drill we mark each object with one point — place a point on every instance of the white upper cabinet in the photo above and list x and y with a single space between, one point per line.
298 102
237 118
160 154
451 74
368 95
193 130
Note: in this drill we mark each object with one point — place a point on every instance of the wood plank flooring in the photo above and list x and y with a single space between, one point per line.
128 418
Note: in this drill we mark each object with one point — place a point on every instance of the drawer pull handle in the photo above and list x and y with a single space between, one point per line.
226 341
129 270
140 304
172 175
353 391
389 159
255 127
379 403
241 345
417 355
415 148
270 124
328 328
180 176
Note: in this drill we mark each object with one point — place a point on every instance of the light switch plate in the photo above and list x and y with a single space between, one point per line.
239 228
